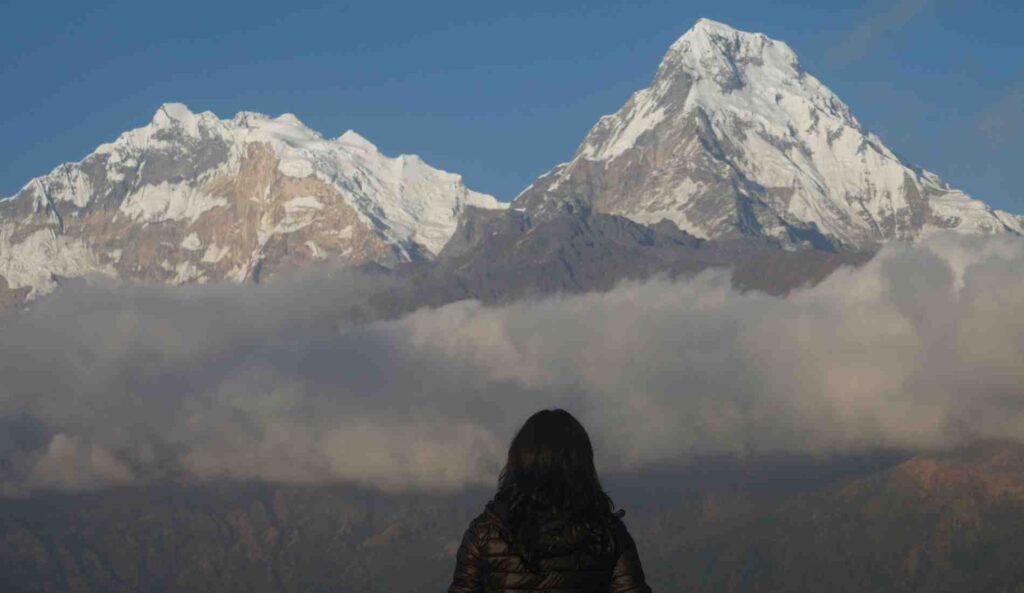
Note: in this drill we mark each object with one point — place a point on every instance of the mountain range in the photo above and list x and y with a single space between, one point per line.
193 198
733 157
732 141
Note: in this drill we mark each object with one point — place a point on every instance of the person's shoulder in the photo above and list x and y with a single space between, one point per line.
619 529
616 519
495 512
486 521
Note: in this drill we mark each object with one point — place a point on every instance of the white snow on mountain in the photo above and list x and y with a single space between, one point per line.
235 193
414 201
733 137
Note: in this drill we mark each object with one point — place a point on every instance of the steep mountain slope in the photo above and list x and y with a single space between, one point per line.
733 138
503 255
193 198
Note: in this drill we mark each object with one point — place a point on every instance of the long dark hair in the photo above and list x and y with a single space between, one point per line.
550 475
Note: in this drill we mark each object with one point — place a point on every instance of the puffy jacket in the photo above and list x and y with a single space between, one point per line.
485 563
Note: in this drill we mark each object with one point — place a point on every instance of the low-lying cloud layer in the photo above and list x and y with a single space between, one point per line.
99 386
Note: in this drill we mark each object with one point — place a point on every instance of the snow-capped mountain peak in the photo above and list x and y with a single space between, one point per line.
355 140
172 113
733 137
710 46
192 197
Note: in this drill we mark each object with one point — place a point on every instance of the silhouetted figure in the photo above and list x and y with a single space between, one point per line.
550 525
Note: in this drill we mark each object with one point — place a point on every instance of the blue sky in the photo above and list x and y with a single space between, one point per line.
498 92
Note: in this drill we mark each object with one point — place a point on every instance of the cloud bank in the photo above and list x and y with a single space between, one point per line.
103 386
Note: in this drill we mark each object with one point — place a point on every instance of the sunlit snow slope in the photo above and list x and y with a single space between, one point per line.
194 198
734 138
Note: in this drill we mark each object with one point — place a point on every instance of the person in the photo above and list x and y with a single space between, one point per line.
550 525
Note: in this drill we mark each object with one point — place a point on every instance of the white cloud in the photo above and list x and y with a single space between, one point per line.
919 348
70 464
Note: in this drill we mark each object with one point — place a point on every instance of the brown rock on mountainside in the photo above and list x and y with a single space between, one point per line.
193 198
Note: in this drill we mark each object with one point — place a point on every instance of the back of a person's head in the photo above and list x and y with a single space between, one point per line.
550 476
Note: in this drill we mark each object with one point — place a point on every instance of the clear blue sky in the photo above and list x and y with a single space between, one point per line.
496 91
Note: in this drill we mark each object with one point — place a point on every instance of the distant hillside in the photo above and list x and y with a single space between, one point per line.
943 522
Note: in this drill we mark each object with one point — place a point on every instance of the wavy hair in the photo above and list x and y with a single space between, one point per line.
550 475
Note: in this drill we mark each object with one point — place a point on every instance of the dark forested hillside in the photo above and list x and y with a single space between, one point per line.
941 522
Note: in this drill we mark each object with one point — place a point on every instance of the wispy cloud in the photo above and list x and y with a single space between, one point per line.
1003 122
102 386
866 34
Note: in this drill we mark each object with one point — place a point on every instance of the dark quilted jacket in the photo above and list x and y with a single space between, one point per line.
485 564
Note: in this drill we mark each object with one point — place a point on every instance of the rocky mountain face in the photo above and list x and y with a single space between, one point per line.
193 198
931 522
733 141
499 256
734 138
